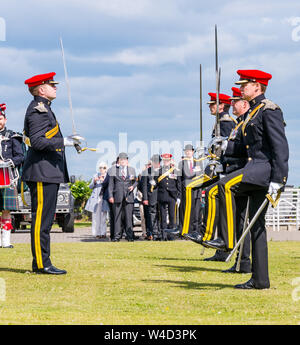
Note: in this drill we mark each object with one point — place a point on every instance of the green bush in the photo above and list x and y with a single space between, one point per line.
81 192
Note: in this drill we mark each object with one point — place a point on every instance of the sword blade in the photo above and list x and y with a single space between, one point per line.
201 135
68 86
249 227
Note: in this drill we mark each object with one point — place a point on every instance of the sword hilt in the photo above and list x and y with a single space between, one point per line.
78 148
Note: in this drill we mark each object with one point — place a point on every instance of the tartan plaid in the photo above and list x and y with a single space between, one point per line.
9 199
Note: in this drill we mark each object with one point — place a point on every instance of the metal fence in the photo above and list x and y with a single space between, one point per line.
287 213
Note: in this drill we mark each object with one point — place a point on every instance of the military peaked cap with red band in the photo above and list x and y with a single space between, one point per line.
253 75
236 94
2 109
166 156
222 98
41 79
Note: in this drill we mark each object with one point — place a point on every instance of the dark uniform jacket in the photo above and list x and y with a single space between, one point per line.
170 186
266 144
149 185
45 160
11 146
118 188
227 123
235 159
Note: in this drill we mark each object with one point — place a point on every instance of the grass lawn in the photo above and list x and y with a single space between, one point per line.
144 283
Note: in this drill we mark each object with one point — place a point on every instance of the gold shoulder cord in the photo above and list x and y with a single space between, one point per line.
249 117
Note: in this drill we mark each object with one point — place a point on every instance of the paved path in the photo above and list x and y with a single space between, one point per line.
84 235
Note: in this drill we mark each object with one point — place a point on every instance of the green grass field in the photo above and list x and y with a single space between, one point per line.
144 283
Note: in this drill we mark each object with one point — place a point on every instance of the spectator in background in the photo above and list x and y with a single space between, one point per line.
149 191
122 181
96 203
106 197
139 197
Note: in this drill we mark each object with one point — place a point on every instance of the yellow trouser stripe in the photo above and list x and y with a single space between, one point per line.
37 227
211 213
188 201
229 212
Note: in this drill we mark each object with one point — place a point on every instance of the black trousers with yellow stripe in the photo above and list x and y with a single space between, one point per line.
211 220
43 205
190 202
231 187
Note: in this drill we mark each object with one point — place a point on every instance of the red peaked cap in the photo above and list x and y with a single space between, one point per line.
41 79
253 75
222 98
166 156
2 109
236 93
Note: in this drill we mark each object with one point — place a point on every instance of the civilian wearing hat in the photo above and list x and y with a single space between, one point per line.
97 204
150 191
189 168
169 192
44 167
10 150
266 171
122 181
105 184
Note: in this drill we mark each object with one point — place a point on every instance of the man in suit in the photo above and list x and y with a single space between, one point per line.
106 197
266 171
122 181
169 192
149 190
44 167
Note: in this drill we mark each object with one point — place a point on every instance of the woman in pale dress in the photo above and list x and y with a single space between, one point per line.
97 205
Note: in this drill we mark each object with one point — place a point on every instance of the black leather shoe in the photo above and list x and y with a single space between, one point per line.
249 285
219 256
115 240
231 270
195 237
215 244
49 270
172 231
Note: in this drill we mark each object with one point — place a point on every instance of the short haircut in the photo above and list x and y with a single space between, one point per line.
34 90
263 88
226 107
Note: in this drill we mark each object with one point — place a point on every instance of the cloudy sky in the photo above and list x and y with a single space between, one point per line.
133 67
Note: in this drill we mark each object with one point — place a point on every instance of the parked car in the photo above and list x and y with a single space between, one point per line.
64 214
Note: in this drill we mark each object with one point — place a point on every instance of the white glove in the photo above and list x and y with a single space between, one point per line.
178 202
216 142
274 187
224 145
70 141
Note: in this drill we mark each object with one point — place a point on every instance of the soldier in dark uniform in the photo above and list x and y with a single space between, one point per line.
234 158
150 191
227 124
169 192
11 153
265 172
122 181
44 167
